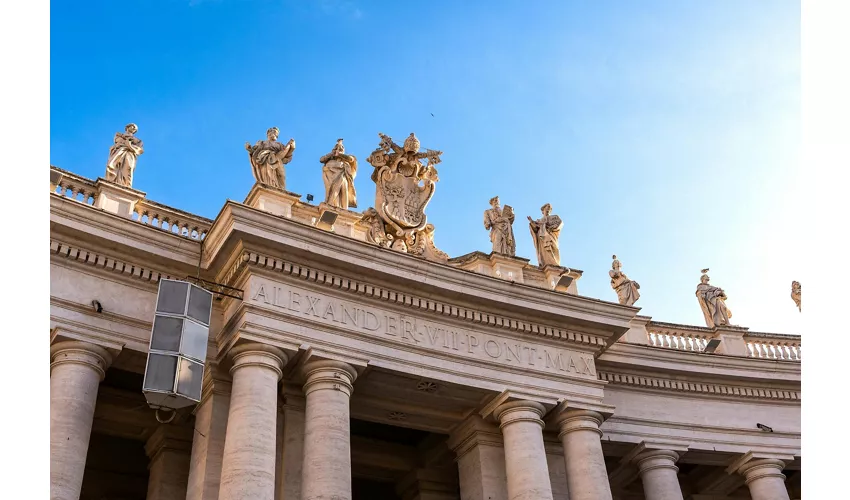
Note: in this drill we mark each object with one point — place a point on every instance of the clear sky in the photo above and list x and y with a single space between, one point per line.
663 131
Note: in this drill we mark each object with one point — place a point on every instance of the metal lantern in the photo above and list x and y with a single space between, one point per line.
178 347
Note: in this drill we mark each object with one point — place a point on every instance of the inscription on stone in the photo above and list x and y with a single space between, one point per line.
416 331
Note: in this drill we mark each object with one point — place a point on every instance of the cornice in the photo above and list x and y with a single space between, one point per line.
428 305
668 385
239 222
101 261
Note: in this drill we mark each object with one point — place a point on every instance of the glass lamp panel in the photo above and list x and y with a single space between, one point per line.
194 341
200 305
160 372
172 297
166 333
189 379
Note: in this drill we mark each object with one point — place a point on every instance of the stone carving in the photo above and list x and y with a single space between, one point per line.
712 301
627 290
545 232
500 223
123 156
268 159
795 293
377 233
403 188
338 175
425 247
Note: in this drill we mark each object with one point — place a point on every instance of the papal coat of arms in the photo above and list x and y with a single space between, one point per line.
404 186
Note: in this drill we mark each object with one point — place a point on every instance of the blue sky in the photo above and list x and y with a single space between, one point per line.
663 131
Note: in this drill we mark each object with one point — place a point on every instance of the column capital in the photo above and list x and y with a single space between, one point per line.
472 432
656 459
519 411
82 353
761 468
579 420
257 354
168 436
329 374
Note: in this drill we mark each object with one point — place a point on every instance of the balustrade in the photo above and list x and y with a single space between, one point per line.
774 346
681 340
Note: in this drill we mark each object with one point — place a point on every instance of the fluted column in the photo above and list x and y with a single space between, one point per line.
248 465
326 473
525 455
658 474
765 479
76 369
587 477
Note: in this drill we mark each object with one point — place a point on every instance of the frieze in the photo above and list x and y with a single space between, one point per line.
407 299
698 387
415 331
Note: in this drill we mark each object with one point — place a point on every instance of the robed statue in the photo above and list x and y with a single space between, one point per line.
268 159
627 290
123 156
338 175
403 187
500 223
545 232
712 301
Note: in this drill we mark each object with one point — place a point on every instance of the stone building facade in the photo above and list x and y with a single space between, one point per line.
347 369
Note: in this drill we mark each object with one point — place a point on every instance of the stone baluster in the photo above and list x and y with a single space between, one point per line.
587 477
76 370
525 455
658 474
248 465
326 473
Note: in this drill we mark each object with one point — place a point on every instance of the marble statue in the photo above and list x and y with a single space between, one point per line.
338 175
123 156
268 159
795 293
712 301
545 232
627 290
500 223
403 187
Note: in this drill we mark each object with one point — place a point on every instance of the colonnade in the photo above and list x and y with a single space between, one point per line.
248 466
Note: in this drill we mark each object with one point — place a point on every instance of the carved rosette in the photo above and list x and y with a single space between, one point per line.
405 180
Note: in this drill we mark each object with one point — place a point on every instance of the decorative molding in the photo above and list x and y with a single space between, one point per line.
664 384
99 260
250 258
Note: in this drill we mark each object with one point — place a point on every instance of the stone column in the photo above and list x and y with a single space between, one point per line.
525 455
210 431
169 449
480 460
658 474
76 369
248 465
292 454
765 479
326 473
587 477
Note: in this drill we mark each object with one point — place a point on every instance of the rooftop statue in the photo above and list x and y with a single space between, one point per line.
545 232
268 159
712 300
338 174
123 155
403 188
627 290
500 223
795 293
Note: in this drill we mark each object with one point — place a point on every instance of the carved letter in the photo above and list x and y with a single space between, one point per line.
516 354
532 353
433 333
366 316
261 291
330 311
572 364
354 319
496 345
471 342
407 329
311 307
587 368
392 324
294 301
552 362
